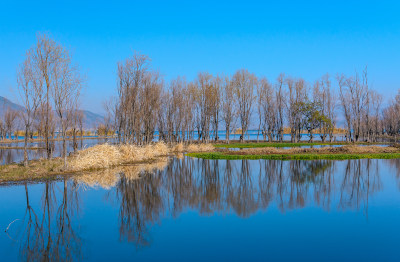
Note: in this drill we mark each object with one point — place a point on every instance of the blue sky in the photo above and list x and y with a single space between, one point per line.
300 38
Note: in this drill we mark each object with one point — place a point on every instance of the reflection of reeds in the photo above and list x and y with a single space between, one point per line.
108 178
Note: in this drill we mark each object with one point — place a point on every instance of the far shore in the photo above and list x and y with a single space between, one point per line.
9 141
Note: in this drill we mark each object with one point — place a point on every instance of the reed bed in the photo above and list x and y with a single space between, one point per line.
178 148
106 156
99 156
199 148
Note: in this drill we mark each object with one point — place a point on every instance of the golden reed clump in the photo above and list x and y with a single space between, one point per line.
105 156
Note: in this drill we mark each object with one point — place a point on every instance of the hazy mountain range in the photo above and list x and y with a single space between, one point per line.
90 121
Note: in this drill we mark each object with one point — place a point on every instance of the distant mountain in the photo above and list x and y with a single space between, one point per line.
90 119
5 103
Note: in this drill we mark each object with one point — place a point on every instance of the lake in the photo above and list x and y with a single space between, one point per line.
186 209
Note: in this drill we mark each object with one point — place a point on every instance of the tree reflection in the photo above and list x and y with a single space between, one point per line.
140 204
147 193
242 187
361 179
47 232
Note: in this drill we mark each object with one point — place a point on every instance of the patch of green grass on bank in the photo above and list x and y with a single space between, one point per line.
294 156
287 144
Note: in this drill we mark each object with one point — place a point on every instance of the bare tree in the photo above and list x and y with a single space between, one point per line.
376 100
280 102
67 84
47 56
325 97
296 96
216 104
228 106
30 90
244 83
9 121
345 102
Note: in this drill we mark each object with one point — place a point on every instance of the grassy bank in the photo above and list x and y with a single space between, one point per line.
315 156
287 144
37 170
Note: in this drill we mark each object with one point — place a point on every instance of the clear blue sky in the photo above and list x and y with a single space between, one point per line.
299 38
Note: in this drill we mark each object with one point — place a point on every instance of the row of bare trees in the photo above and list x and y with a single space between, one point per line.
49 85
9 123
182 111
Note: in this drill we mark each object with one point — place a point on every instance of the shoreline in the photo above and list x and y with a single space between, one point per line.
290 144
222 156
35 140
106 157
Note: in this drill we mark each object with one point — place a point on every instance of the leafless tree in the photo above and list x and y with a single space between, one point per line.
280 103
325 97
345 103
30 90
67 83
216 104
10 118
229 106
47 57
245 83
376 100
266 109
297 94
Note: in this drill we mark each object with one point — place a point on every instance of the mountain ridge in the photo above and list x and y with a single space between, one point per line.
90 121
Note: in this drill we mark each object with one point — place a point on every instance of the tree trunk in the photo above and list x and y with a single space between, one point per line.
64 144
26 146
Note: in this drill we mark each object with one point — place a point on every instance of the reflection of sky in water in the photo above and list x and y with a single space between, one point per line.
216 210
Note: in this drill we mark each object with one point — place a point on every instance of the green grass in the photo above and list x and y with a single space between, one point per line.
295 156
287 144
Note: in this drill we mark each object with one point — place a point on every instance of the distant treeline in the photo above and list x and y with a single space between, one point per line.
180 108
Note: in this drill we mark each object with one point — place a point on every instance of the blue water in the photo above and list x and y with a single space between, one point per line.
215 210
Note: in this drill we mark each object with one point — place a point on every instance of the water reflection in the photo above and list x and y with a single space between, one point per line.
145 194
47 233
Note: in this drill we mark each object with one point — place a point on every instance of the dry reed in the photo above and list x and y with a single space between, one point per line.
178 148
199 148
105 156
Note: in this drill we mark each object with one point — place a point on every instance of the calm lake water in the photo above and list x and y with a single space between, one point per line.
209 210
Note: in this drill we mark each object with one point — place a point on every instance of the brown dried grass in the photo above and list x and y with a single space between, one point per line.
99 156
199 148
350 149
105 156
178 148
